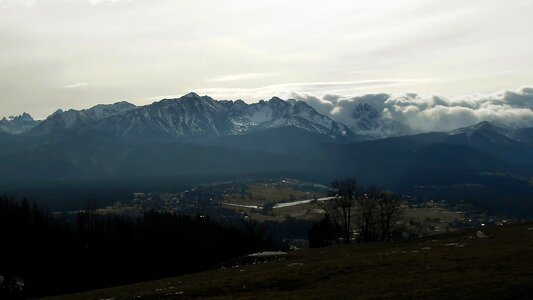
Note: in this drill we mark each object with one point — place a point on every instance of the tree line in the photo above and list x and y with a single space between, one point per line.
362 215
56 256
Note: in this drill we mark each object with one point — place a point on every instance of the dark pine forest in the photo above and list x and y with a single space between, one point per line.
54 255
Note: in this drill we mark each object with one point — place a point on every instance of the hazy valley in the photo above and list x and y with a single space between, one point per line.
195 139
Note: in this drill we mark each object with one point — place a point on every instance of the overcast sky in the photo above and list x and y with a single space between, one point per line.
77 53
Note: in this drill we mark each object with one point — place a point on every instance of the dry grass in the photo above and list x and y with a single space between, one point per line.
259 194
315 212
420 214
450 266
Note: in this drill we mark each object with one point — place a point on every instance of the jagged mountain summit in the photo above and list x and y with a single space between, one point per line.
17 124
61 120
201 116
488 133
190 115
277 113
369 122
194 116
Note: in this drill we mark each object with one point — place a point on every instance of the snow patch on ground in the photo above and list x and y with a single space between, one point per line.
268 254
241 205
287 204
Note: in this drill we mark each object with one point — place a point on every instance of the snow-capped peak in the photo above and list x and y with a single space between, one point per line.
17 124
194 115
490 132
369 122
60 119
277 113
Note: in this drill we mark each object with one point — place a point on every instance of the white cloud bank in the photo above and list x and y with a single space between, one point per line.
136 49
434 113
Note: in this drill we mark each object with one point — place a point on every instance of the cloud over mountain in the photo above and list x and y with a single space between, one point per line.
429 113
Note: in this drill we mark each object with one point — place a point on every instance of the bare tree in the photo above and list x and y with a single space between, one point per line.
366 215
372 212
87 218
344 193
389 209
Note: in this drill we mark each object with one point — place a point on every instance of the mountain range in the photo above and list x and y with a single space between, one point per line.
182 118
197 137
201 116
17 124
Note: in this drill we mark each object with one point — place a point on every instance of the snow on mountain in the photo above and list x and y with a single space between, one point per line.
17 124
277 113
368 122
492 134
190 115
77 118
201 116
194 115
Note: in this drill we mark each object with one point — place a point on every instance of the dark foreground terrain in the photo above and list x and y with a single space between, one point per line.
462 265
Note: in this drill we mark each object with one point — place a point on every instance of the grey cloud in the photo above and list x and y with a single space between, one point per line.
440 101
331 98
524 98
323 106
435 113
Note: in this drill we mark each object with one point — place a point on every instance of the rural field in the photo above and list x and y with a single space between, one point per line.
460 265
279 201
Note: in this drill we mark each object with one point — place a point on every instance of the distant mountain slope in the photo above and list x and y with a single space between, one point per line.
5 138
72 155
277 113
18 124
201 116
433 164
369 123
190 115
61 120
388 162
513 145
526 135
201 137
486 133
195 116
282 140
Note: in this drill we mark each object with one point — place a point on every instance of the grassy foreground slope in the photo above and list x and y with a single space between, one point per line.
443 267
